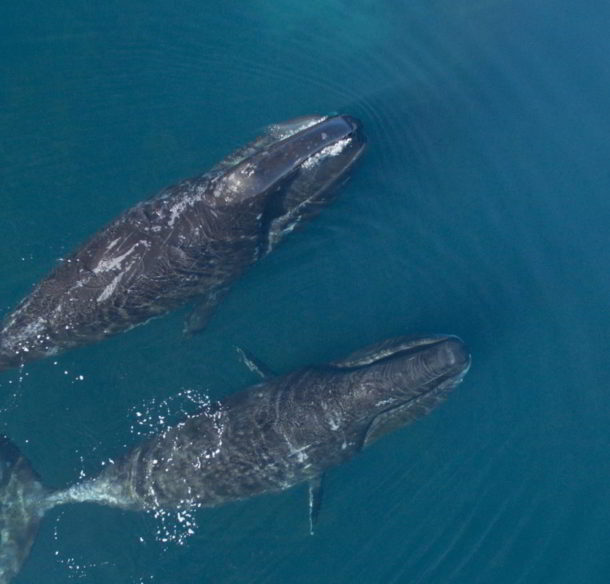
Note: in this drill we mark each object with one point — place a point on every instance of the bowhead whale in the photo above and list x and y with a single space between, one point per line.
269 437
189 242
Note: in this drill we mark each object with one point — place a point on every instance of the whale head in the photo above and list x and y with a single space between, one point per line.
288 174
400 380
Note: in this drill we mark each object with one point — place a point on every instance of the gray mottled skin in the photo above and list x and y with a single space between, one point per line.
265 439
191 241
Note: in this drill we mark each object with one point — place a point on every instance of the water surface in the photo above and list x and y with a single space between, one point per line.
481 210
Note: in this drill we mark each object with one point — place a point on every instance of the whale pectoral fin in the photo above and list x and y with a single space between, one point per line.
21 509
315 501
254 364
199 316
390 420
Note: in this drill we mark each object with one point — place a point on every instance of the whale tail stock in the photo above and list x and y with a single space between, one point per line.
22 506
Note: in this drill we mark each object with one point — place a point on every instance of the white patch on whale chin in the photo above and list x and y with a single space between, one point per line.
331 150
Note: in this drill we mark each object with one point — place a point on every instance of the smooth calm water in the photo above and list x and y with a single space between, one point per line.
481 209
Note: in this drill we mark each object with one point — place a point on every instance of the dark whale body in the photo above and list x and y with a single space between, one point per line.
267 438
191 241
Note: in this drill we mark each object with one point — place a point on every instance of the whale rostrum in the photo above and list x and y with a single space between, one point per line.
188 243
269 437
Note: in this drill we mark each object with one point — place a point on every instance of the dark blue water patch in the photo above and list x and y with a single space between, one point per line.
481 209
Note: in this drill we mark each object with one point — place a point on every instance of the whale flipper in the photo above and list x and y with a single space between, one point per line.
198 318
315 501
21 508
254 364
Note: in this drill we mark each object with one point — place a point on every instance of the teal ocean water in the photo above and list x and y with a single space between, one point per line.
480 209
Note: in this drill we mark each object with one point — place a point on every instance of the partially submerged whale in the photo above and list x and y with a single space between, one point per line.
267 438
190 242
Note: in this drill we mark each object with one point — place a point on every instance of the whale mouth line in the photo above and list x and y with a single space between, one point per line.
388 350
381 356
434 388
276 210
312 180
